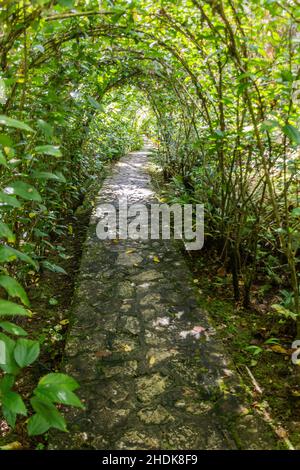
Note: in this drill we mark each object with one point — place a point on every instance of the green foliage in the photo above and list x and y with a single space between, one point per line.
17 354
52 388
214 83
24 190
9 122
48 150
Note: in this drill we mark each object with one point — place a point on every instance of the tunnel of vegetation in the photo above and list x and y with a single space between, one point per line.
216 85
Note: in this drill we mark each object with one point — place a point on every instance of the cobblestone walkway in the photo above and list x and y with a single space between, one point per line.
152 371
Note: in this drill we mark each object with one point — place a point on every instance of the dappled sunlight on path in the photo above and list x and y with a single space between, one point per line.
153 373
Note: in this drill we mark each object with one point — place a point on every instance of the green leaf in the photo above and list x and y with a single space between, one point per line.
58 379
26 351
8 308
6 383
5 232
37 425
95 103
12 328
292 133
9 416
40 2
284 311
24 190
53 267
48 150
46 175
60 176
296 212
9 122
66 3
45 128
272 341
58 394
2 159
255 350
14 288
49 413
7 360
5 140
269 124
8 254
6 200
14 403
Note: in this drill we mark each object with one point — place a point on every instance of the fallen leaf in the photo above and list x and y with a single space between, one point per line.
152 360
196 332
198 329
131 250
221 272
103 354
279 349
16 445
281 432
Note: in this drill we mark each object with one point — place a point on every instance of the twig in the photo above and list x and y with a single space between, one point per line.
277 428
256 386
64 16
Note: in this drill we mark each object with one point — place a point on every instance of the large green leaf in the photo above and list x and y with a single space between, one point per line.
37 424
45 128
14 288
46 175
48 150
14 403
24 190
7 200
9 254
6 383
56 378
5 232
26 351
8 308
9 122
58 394
49 413
53 267
12 328
9 416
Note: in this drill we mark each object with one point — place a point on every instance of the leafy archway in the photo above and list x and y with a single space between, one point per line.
221 79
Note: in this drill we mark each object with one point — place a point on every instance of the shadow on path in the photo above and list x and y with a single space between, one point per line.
152 371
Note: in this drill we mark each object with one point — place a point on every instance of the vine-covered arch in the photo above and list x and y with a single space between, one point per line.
218 84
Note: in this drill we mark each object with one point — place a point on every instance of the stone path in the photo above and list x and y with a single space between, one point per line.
153 373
